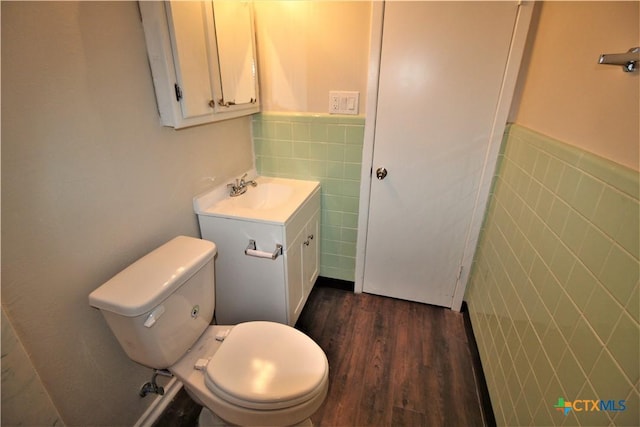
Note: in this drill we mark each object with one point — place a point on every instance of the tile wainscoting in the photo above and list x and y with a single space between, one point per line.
553 295
323 148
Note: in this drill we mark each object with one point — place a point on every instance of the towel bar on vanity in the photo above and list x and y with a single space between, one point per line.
628 61
254 252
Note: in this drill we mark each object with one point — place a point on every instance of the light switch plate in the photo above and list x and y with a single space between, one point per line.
344 102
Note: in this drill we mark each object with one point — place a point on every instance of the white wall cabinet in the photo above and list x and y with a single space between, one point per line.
250 288
202 59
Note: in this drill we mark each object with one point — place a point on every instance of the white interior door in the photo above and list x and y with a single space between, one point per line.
441 72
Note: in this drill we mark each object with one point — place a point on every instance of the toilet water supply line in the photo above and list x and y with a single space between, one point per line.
152 386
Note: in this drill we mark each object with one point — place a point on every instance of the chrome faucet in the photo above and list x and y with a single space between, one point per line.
240 186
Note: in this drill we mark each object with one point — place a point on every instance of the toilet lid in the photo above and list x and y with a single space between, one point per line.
267 365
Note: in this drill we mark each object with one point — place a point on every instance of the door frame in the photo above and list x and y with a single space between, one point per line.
509 80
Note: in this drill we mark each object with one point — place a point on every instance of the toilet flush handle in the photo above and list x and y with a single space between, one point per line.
154 316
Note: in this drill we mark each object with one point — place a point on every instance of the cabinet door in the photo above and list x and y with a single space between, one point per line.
191 29
311 254
295 281
236 56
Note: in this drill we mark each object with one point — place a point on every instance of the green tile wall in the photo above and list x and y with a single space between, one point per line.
328 149
553 294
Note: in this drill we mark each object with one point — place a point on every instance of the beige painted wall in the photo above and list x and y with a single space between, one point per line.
567 95
90 182
20 379
307 48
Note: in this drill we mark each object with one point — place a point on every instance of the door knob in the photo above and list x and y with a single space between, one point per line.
381 173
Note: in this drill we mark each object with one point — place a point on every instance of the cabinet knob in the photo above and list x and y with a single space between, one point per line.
212 104
309 239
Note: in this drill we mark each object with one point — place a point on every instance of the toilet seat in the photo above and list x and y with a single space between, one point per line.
267 366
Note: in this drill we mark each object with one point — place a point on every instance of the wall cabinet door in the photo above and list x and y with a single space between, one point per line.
202 58
233 21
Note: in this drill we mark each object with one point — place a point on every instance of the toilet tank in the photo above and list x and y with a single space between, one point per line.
159 305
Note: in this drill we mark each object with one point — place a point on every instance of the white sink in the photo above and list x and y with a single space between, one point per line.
273 200
267 195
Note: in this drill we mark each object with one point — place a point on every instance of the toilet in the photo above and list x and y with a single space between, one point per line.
160 309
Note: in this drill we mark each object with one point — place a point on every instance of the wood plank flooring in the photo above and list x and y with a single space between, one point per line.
392 363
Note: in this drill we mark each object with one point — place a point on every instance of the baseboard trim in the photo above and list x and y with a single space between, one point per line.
328 282
157 407
488 415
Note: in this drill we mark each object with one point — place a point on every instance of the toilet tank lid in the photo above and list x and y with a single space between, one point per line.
151 279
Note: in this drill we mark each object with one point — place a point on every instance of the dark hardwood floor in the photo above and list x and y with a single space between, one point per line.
392 363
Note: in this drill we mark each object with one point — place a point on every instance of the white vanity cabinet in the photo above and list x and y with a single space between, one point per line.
202 59
253 288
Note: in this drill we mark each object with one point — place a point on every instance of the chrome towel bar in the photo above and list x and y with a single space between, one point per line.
628 61
254 252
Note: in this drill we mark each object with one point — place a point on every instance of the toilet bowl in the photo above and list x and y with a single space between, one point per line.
253 373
